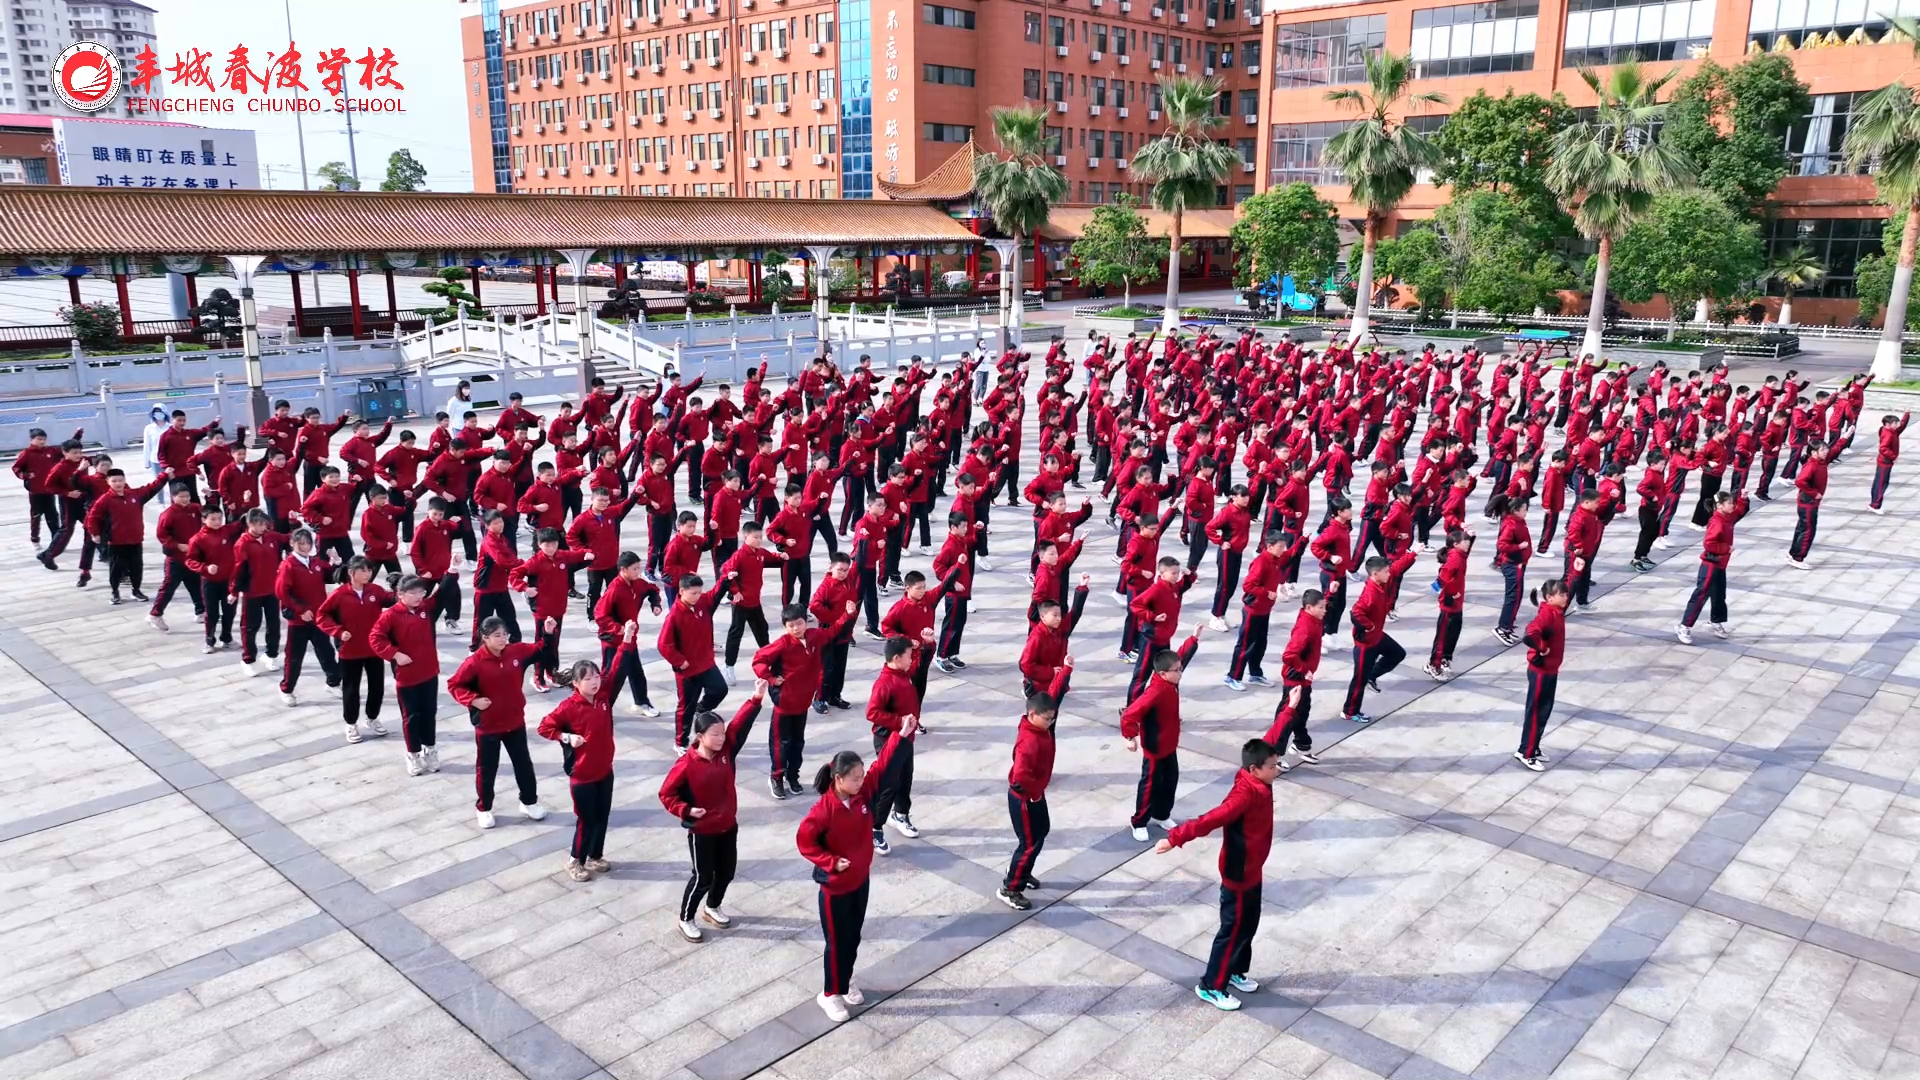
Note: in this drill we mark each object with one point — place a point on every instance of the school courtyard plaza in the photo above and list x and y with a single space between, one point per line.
1716 877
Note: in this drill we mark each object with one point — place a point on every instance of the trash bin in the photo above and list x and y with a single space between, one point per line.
1054 291
381 400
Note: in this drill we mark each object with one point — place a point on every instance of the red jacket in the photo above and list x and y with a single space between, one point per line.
1301 658
1453 580
301 586
176 529
1515 543
682 556
600 533
239 487
120 519
1261 582
693 781
502 680
1157 608
893 700
592 720
686 635
1043 660
1154 716
745 573
328 511
830 599
546 578
353 614
401 629
1369 614
1245 818
380 532
1032 761
493 569
432 547
620 605
213 548
256 563
835 830
796 663
1717 546
1546 639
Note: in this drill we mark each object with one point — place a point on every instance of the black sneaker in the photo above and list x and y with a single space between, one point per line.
1373 685
778 789
841 703
820 706
1014 900
115 599
793 786
48 563
1031 884
140 596
880 845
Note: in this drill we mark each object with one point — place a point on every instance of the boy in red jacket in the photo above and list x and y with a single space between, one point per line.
117 523
794 664
403 637
1151 726
1375 653
1451 586
1890 428
301 587
1027 781
543 577
1259 592
894 708
210 557
1299 662
348 617
699 790
491 684
256 564
179 523
1246 818
1716 551
686 644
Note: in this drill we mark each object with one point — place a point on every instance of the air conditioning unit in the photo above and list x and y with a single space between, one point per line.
1251 118
1059 106
1159 12
1097 3
579 31
1093 110
606 76
1153 114
1206 71
819 159
1094 55
563 170
662 166
1180 69
633 119
715 114
606 121
746 3
686 114
657 68
692 166
555 36
684 13
586 170
1124 59
653 17
659 118
579 76
1126 6
1093 163
819 106
1154 64
1120 163
541 171
719 164
1060 161
560 126
713 61
779 53
686 65
513 86
519 172
782 160
1182 16
753 163
1059 50
539 129
781 107
1211 23
626 24
753 110
814 48
1253 69
1121 112
1246 166
632 72
536 84
637 167
713 8
1253 18
747 57
516 131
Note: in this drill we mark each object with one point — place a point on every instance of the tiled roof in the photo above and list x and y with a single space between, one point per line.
1068 222
56 221
951 179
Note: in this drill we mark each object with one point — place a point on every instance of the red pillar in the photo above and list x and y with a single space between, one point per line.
393 302
1206 259
874 274
619 274
973 252
126 305
930 272
473 275
299 305
73 289
1039 267
691 283
806 280
353 299
193 292
553 282
539 290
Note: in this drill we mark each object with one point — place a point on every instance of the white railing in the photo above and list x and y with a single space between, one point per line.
893 340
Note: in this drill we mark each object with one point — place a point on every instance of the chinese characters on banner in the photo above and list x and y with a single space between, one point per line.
891 75
283 80
119 153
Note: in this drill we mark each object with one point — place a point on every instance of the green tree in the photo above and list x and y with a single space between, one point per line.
1732 124
1020 188
1793 270
1503 144
94 326
1380 155
1183 167
1873 276
335 177
1420 260
404 172
1114 248
450 285
1608 169
1287 230
1691 246
1504 253
1886 134
775 285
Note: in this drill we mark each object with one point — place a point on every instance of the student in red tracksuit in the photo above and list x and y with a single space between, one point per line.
583 726
618 606
597 529
301 587
1333 547
1045 664
699 790
686 644
743 577
1811 484
1546 639
1716 551
1027 780
1245 821
793 664
491 683
1259 592
403 636
432 553
1375 652
328 512
1512 548
1229 530
1890 428
1582 546
348 617
1299 663
953 563
837 588
836 836
492 580
543 577
179 523
1151 726
1155 610
1451 583
117 523
210 557
256 565
893 706
911 617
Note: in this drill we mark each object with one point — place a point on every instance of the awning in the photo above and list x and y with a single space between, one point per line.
1069 222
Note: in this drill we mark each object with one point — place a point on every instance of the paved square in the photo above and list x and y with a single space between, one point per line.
1716 878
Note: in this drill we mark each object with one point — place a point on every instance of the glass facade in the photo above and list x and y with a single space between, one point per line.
496 95
1473 39
1298 153
1601 32
1814 142
856 99
1852 21
1838 243
1326 52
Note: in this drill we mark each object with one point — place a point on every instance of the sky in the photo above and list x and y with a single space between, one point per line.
424 36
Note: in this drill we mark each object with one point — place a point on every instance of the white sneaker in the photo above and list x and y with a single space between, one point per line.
1140 833
854 996
252 669
288 699
833 1005
717 917
483 818
692 932
1720 631
157 623
415 764
374 727
1217 624
727 672
1234 685
353 733
1880 510
1798 564
1119 597
984 566
534 811
431 758
1663 544
1243 984
903 825
452 627
206 648
646 710
1684 633
1164 823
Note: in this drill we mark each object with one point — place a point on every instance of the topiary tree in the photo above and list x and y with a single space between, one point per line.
450 285
218 316
775 285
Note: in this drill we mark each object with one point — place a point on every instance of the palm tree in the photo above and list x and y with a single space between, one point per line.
1381 156
1183 167
1886 136
1795 269
1607 169
1019 189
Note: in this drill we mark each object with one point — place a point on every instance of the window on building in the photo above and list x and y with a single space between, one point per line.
1056 86
1055 141
947 76
1298 153
1241 193
1815 140
1099 91
1096 193
1056 31
1838 243
1601 33
1326 52
828 135
1120 41
960 18
1099 38
1853 21
1030 84
1033 27
1249 103
954 133
1245 148
1472 39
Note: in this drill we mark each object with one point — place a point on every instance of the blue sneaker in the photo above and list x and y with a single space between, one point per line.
1242 984
1219 999
880 845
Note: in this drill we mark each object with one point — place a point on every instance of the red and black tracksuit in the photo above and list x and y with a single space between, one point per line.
1546 639
301 587
401 630
1452 598
1027 781
1884 460
210 557
836 829
798 664
1716 551
620 605
545 576
589 766
713 839
1299 662
175 530
348 616
894 698
1375 652
492 578
1245 822
502 725
256 567
686 644
1154 719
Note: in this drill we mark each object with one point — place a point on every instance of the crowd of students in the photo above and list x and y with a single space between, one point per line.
1224 436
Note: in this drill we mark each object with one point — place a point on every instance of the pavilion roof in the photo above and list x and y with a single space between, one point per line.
1069 222
951 179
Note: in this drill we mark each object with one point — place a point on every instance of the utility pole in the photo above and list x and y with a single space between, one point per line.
353 158
299 129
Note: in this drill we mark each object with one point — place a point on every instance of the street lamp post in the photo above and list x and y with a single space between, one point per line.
244 267
1012 312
